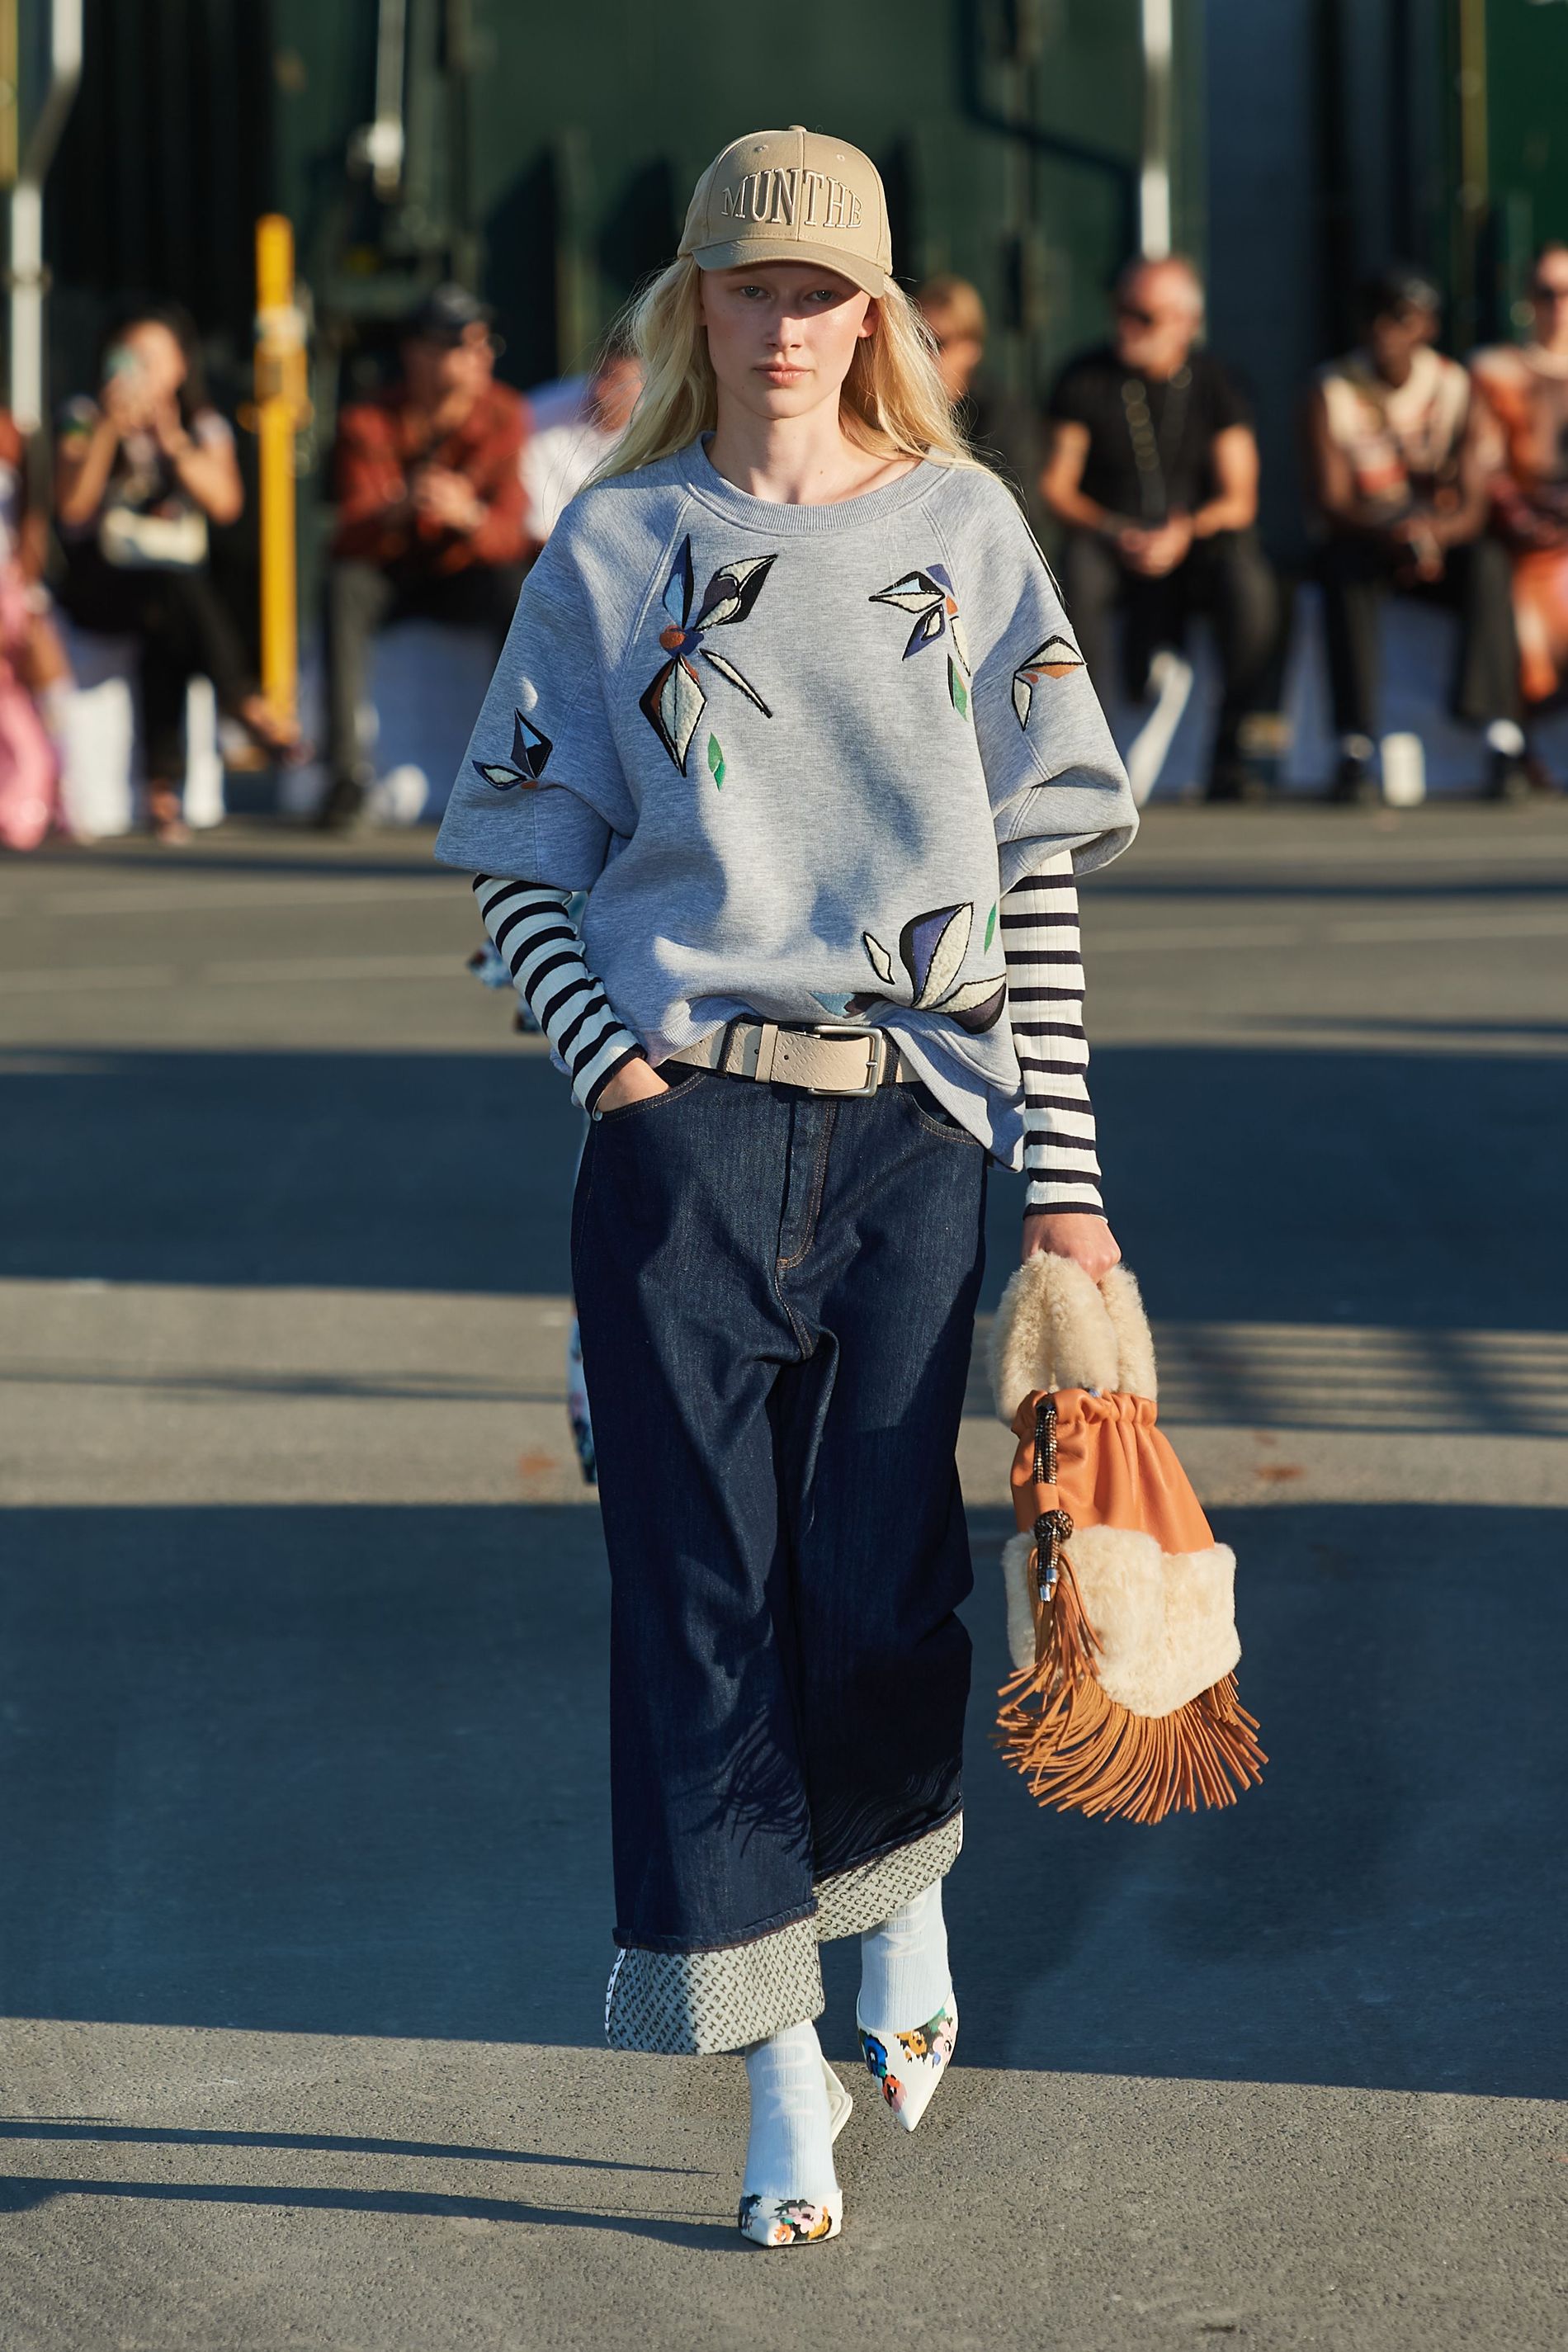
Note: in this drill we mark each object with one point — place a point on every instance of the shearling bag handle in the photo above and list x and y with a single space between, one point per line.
1119 1602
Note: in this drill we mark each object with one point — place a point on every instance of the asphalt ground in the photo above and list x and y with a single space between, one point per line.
303 1841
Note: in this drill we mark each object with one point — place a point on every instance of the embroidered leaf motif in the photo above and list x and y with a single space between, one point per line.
881 961
1058 658
677 587
975 1005
933 947
673 702
733 591
716 761
727 669
958 692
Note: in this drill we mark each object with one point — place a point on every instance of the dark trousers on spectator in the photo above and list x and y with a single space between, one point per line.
1227 577
363 599
183 629
1357 574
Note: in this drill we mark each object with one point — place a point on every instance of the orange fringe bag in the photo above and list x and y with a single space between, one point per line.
1123 1699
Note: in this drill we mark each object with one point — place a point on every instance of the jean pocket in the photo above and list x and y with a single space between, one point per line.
934 1116
675 1090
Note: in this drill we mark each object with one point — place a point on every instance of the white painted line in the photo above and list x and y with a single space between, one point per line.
87 977
311 971
202 897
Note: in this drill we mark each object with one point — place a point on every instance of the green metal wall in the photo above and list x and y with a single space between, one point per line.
551 151
1526 152
555 148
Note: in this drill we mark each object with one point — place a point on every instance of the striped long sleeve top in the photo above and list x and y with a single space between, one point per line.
533 932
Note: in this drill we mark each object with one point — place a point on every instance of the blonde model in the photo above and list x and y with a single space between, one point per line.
791 696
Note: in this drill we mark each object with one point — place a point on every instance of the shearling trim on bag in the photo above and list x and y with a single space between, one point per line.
1165 1621
1120 1605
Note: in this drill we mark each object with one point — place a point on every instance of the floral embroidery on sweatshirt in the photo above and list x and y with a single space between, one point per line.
674 700
529 753
929 595
931 948
1058 658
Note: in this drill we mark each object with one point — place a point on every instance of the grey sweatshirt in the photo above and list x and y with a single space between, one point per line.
796 755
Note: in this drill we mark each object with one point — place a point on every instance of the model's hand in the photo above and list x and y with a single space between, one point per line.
1087 1241
634 1081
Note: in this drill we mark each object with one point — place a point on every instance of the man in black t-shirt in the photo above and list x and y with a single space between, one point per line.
1153 470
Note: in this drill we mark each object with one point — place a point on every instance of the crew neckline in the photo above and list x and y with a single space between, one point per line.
703 479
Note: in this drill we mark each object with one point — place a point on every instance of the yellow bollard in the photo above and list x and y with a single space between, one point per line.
281 410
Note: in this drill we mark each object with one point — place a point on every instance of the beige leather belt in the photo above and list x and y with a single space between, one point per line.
821 1061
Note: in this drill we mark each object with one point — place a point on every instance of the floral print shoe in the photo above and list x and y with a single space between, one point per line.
799 2221
790 2221
909 2066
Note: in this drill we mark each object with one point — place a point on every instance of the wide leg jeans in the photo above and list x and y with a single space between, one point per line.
776 1295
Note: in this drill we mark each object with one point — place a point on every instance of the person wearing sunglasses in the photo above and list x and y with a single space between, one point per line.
1400 457
1153 471
1525 388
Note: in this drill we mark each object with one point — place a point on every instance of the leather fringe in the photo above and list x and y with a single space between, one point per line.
1082 1752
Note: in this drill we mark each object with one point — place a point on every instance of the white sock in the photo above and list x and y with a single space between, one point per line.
904 1974
1507 736
789 2154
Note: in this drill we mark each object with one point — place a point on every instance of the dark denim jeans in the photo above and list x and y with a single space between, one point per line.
776 1293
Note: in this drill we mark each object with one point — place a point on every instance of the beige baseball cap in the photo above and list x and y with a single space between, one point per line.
792 195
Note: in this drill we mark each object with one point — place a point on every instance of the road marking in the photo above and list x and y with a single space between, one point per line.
310 970
87 977
1394 930
278 970
203 896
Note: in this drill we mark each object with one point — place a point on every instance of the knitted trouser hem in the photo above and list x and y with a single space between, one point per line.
693 2004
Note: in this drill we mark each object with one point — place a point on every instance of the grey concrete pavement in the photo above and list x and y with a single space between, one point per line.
301 1637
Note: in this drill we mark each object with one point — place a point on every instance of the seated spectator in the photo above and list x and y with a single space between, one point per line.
142 468
35 675
558 460
37 655
1153 470
999 425
1399 457
1525 388
430 519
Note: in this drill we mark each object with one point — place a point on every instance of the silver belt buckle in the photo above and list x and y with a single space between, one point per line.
874 1044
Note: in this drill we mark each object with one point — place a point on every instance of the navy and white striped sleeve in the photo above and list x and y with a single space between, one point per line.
1045 998
542 950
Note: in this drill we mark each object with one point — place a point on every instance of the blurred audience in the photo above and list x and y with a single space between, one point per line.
431 519
35 675
1400 457
558 459
1153 470
1525 388
999 425
143 466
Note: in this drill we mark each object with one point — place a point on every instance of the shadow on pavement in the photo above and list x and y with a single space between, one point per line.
97 2132
21 2194
343 1771
1247 1189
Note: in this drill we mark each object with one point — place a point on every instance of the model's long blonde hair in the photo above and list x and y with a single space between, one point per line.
891 402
